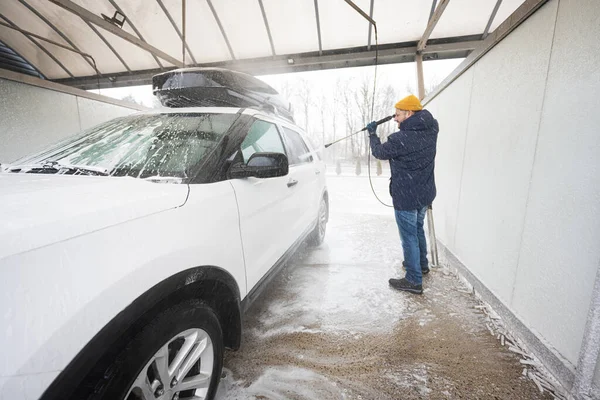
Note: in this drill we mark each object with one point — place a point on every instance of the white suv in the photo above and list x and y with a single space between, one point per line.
129 253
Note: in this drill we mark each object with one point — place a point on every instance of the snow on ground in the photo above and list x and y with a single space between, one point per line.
330 327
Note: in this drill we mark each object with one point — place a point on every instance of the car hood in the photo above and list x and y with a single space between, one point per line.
37 210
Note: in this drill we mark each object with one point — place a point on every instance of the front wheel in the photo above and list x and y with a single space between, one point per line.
176 356
317 236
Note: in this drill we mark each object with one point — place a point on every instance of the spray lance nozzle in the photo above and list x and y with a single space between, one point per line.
381 121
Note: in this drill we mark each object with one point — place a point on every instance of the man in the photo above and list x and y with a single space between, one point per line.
411 152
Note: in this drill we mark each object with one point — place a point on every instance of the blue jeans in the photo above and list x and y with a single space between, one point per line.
414 244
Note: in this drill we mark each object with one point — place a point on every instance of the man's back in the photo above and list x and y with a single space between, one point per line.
413 183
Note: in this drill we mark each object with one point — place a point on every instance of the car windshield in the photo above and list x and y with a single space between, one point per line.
140 146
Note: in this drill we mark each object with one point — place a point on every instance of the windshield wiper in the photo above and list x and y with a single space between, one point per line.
58 168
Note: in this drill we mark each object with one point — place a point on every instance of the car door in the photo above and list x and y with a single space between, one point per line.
305 174
265 206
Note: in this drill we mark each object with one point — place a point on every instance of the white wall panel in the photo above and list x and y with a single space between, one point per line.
34 117
506 103
529 213
561 240
451 109
92 112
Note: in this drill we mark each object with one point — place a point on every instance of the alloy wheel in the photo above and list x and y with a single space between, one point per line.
180 370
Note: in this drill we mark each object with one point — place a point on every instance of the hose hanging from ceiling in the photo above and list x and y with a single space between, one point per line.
372 22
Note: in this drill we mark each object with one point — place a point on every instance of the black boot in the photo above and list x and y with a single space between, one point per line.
404 285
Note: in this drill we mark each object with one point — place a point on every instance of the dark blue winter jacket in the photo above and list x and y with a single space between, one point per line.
411 152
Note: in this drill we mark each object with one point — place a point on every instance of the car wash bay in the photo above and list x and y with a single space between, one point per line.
330 327
517 170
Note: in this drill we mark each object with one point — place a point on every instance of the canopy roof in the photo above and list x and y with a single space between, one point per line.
77 42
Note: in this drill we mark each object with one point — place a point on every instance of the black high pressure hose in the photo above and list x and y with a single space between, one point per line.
372 107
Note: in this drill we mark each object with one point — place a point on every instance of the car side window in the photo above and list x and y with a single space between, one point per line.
298 152
262 137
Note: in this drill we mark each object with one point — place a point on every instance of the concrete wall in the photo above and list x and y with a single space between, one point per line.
35 113
518 171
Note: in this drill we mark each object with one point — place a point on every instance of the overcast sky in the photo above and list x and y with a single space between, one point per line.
398 75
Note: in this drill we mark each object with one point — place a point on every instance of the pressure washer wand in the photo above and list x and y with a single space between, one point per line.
381 121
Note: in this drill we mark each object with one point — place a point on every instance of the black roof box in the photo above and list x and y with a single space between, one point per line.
217 87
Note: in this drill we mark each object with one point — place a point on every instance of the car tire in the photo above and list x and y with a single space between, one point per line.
317 236
188 333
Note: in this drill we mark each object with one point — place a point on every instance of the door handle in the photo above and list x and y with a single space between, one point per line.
317 172
292 182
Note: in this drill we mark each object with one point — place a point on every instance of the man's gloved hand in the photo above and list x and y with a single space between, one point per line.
372 127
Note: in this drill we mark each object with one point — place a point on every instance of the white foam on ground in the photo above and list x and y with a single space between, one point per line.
337 299
281 384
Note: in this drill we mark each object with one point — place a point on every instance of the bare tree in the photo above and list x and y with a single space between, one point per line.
323 108
364 102
336 105
304 94
430 86
346 102
154 102
288 92
384 105
131 99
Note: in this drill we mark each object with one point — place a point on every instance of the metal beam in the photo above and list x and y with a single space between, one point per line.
137 32
420 79
42 83
318 26
264 14
370 26
491 20
160 3
28 36
527 9
214 12
108 45
433 3
27 33
361 12
448 48
94 19
432 23
58 31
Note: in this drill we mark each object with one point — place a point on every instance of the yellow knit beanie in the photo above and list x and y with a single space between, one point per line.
409 103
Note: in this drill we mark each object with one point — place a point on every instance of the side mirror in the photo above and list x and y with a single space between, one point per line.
261 165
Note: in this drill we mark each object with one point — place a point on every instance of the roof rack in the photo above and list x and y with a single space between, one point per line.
218 87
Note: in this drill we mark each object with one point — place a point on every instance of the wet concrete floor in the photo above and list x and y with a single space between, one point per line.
330 327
